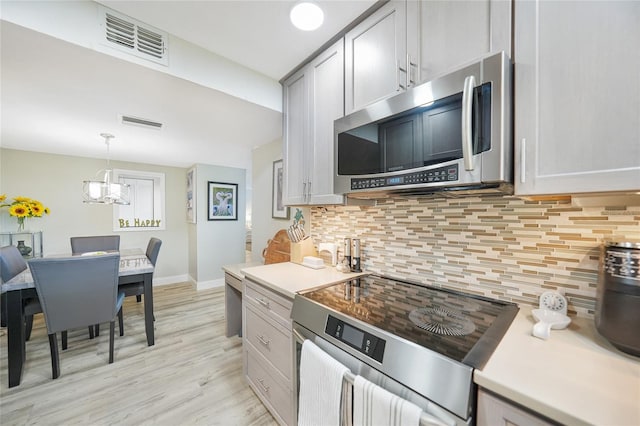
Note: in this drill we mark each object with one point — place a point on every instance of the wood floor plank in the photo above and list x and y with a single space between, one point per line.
191 376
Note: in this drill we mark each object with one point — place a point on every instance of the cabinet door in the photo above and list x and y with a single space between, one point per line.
326 74
494 411
453 33
295 137
375 57
577 91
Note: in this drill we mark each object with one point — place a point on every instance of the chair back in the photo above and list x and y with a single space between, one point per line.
153 248
11 262
95 243
76 291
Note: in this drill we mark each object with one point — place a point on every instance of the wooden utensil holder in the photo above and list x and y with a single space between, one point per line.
301 249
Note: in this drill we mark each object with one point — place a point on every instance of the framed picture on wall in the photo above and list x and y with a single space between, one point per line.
191 195
278 209
222 201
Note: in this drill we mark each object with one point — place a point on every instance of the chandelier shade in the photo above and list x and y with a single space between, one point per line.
105 191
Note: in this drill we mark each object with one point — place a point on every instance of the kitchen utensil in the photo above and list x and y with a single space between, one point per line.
296 233
356 256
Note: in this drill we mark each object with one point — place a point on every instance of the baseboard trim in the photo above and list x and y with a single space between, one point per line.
176 279
205 285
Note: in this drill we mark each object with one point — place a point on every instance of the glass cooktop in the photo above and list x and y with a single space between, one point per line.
463 327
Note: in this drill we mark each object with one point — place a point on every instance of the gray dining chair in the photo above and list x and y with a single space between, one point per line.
81 245
88 244
137 289
77 291
11 264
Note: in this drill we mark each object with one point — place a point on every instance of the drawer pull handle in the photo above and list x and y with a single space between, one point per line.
264 387
263 340
264 303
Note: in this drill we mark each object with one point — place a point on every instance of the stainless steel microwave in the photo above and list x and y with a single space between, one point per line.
453 133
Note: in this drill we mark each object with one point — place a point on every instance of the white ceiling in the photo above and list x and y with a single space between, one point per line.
58 97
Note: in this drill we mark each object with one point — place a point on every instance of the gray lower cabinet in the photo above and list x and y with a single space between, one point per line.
268 349
577 96
495 411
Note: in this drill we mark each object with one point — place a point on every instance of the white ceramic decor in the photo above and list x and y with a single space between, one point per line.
552 314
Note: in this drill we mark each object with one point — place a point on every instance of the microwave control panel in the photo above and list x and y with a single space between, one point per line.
441 174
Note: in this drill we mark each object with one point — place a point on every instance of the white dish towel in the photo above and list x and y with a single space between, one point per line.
375 406
320 387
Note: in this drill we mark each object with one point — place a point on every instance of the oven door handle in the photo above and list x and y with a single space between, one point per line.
299 337
426 419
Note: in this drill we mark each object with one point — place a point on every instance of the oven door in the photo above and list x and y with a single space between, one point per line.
435 415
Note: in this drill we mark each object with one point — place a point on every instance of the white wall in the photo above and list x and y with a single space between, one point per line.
76 22
56 181
216 243
264 226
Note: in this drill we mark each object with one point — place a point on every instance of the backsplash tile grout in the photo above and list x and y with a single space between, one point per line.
504 248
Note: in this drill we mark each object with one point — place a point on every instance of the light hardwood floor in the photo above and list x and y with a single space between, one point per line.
192 375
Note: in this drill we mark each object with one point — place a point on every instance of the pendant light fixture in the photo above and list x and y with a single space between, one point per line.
306 15
105 191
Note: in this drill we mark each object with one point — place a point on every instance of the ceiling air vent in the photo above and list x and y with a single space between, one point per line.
136 38
137 121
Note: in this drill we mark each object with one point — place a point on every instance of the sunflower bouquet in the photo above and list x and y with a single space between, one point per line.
22 208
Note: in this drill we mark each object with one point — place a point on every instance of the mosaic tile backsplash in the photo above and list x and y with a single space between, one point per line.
504 248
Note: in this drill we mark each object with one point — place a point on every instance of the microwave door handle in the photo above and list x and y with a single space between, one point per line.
467 108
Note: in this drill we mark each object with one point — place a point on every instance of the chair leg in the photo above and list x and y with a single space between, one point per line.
3 310
91 332
112 332
64 340
97 327
121 322
55 361
138 298
28 326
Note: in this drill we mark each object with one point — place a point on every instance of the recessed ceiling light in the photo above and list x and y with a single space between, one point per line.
306 15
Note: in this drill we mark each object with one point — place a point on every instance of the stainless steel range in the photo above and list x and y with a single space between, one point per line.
418 342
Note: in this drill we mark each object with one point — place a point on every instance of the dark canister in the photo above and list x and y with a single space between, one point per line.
618 298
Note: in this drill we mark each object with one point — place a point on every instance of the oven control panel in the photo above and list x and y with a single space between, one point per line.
367 343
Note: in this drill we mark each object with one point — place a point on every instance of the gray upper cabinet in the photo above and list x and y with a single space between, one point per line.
376 57
577 96
453 33
296 118
314 98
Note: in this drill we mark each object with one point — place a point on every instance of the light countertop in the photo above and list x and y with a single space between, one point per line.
236 270
288 278
574 377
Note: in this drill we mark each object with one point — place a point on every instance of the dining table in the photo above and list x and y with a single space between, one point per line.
134 267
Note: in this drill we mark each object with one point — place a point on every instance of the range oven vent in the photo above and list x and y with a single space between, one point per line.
136 38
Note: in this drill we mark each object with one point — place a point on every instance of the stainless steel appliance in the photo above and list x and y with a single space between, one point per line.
418 342
452 133
618 296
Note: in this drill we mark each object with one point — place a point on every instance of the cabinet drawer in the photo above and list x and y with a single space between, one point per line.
233 281
268 302
275 396
271 340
